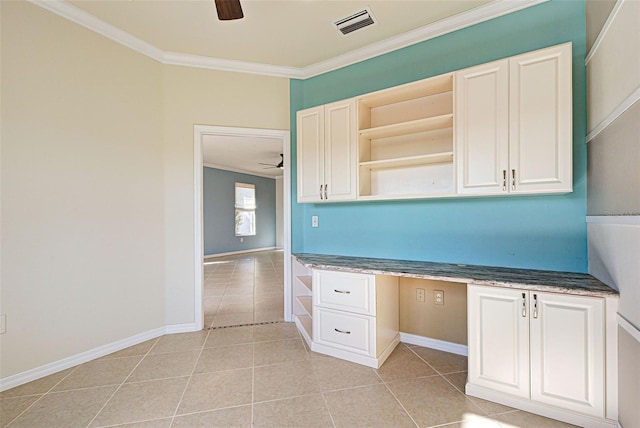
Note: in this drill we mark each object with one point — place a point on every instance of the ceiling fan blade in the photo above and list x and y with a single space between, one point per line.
229 10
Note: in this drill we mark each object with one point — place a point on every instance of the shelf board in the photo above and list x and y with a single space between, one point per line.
305 326
306 303
306 281
411 127
409 161
409 91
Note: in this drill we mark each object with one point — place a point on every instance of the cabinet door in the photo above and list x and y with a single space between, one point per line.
310 145
498 327
567 352
482 128
340 150
541 121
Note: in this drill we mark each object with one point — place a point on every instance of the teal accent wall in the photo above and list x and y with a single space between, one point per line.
219 212
537 232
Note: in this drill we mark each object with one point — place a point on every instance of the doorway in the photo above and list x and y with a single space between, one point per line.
200 131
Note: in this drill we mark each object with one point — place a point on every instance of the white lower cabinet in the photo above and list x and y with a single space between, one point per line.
355 316
543 347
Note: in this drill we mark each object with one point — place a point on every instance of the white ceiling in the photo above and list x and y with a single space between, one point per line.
243 154
290 38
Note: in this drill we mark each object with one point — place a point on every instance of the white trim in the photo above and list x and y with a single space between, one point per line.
65 363
603 31
182 328
427 342
226 168
232 253
614 219
628 327
198 132
617 112
444 26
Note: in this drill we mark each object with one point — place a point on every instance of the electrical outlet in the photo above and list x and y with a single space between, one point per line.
241 239
3 324
314 221
420 295
438 297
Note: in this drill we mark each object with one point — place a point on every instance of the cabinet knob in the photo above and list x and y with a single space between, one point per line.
342 331
325 192
504 180
342 291
535 306
321 192
513 179
524 304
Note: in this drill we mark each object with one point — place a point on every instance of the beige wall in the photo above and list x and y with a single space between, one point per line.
97 183
204 97
446 322
82 193
613 74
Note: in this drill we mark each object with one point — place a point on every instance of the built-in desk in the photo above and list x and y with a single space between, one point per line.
541 341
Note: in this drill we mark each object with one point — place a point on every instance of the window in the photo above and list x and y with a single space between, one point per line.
245 209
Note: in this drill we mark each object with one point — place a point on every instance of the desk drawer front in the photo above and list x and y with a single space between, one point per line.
351 332
345 291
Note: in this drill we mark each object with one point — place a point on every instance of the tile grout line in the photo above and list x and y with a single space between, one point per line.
186 386
123 382
253 378
396 398
48 391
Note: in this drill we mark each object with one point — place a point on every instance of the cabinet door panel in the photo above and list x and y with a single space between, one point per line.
340 150
541 121
498 339
310 144
567 352
482 128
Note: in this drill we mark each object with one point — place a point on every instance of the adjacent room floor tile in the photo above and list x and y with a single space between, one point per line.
142 401
369 406
280 331
229 336
65 409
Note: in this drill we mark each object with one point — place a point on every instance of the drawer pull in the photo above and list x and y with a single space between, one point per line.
342 331
342 291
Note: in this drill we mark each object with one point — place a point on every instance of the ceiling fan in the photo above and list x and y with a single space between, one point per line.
272 166
229 10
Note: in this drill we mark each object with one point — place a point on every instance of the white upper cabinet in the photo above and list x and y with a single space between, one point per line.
326 143
540 111
482 128
514 125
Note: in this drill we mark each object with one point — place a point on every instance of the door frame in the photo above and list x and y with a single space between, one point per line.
198 132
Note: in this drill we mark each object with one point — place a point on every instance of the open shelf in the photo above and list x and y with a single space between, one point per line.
306 302
408 161
306 281
410 127
409 91
305 327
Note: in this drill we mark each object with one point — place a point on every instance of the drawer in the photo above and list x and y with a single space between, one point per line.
350 332
345 291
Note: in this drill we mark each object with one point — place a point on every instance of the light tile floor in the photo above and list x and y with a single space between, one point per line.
257 375
261 376
243 289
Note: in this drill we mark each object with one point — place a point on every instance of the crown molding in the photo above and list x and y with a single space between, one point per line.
444 26
603 31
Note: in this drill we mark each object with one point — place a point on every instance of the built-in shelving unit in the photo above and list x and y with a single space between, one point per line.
405 140
302 299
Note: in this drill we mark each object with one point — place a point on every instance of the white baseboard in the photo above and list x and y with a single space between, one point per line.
427 342
83 357
233 253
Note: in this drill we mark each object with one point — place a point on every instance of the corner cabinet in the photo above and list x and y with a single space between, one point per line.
501 128
544 350
514 125
327 152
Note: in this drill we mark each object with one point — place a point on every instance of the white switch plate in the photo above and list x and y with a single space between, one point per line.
3 324
420 294
314 221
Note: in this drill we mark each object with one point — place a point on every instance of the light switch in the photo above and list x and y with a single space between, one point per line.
314 221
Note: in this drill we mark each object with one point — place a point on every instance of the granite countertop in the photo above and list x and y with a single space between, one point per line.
539 280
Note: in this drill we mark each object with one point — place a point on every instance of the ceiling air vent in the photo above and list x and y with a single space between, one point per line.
355 22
